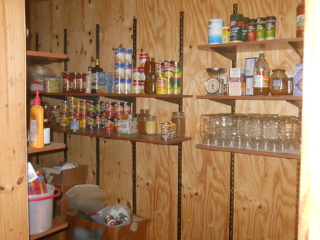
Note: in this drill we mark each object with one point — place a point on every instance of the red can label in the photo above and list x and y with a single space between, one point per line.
116 124
109 124
126 108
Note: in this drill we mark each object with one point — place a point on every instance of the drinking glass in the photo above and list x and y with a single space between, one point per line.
207 129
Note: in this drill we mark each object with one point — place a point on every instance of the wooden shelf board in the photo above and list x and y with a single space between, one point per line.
53 146
275 98
57 225
293 155
44 57
136 137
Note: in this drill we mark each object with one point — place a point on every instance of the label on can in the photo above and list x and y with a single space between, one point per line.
168 68
119 55
117 85
116 124
162 85
74 125
119 70
135 86
128 56
177 86
173 130
143 58
159 66
236 27
225 35
126 108
177 69
109 124
165 131
270 30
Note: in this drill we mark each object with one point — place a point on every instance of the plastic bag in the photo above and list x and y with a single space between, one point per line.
35 75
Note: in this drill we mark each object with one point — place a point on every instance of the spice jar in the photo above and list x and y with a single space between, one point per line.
179 119
151 85
290 84
261 29
270 27
151 125
149 66
252 30
279 82
142 119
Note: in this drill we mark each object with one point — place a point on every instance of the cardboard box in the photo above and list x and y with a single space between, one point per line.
249 86
81 229
237 88
250 62
236 75
125 122
65 180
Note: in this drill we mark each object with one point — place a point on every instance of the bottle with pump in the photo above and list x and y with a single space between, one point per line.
261 77
36 123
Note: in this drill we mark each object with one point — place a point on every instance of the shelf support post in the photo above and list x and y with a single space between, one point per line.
231 196
179 189
97 160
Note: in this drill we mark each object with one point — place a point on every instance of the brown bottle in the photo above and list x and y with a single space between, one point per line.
300 19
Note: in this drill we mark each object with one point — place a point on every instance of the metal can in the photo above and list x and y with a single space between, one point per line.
119 55
83 121
64 107
173 130
91 121
270 27
118 108
126 108
119 70
116 124
109 124
236 27
74 125
143 58
128 56
261 29
159 69
117 88
225 34
162 85
177 82
165 131
110 221
168 68
109 109
64 120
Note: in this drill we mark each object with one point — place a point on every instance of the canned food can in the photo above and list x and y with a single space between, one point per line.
98 121
116 124
83 107
83 121
173 130
72 100
159 66
168 68
72 109
236 27
128 71
119 70
119 55
109 124
170 81
177 70
162 85
177 86
91 108
128 56
136 86
64 107
74 125
143 58
118 108
91 121
225 34
165 131
98 106
117 88
127 88
126 108
64 120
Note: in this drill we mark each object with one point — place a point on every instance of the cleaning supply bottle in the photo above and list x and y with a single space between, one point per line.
36 123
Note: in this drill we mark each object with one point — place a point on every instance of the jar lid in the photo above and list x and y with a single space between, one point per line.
290 75
278 70
261 20
271 18
177 114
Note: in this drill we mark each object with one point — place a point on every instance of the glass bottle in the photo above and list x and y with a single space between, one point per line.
261 77
149 66
151 125
152 84
55 115
278 82
94 76
290 84
300 19
46 132
142 119
179 119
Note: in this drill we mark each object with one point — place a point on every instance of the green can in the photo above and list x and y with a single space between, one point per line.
270 27
261 29
236 22
245 29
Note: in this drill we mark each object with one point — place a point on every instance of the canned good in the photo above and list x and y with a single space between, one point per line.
64 107
64 120
91 108
165 131
236 27
173 130
119 54
126 108
159 69
117 88
119 70
72 100
83 121
162 85
225 34
118 108
143 58
109 124
252 31
74 125
116 124
128 56
128 71
177 85
91 121
168 68
261 29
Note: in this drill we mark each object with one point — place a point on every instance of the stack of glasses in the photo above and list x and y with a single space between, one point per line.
267 132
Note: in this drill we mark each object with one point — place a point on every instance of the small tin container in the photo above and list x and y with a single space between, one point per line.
261 29
173 130
74 125
165 131
225 34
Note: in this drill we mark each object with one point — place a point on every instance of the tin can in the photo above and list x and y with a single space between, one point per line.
74 125
64 120
165 131
119 70
177 82
119 55
91 108
126 86
97 104
236 27
128 71
245 29
225 35
173 130
128 56
126 108
170 85
83 121
162 85
109 124
159 66
116 124
141 80
168 68
64 107
91 121
103 118
72 100
117 88
118 108
98 121
270 27
252 31
177 69
143 58
261 29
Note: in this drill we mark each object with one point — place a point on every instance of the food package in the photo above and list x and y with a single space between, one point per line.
35 75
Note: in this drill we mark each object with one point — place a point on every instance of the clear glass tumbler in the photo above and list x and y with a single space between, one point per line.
208 129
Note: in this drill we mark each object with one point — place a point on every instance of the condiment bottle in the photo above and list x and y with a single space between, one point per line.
179 119
142 119
94 77
290 84
261 77
36 123
151 125
278 82
151 85
300 19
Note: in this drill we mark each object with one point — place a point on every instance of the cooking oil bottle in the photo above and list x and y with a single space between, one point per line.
261 77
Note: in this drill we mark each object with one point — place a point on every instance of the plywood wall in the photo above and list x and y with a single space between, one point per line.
265 192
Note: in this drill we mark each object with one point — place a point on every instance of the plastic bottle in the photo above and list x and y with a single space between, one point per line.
261 77
300 19
36 123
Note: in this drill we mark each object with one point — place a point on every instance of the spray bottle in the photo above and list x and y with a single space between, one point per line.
36 123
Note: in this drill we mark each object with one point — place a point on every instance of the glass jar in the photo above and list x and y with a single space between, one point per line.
142 119
279 82
149 67
151 125
179 119
55 115
151 85
207 129
290 84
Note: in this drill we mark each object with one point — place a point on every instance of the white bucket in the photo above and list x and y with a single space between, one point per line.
41 210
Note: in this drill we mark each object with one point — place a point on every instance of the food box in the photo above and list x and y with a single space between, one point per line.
236 75
125 122
249 86
102 82
82 229
250 62
237 88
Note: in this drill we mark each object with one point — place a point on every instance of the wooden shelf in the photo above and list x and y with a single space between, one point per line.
57 225
291 155
51 147
229 50
135 137
44 57
230 100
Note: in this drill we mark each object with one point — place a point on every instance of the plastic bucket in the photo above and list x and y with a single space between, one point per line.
41 210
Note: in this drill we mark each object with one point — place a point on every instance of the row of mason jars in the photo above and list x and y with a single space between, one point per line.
270 132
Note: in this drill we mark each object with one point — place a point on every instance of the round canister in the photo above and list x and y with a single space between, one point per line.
128 56
225 35
119 55
236 27
215 31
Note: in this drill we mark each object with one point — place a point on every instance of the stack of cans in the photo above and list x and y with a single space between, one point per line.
123 71
169 77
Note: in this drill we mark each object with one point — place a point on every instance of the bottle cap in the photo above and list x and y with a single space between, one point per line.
261 54
37 100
